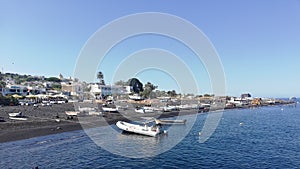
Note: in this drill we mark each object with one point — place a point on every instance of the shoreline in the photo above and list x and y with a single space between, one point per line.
36 126
42 121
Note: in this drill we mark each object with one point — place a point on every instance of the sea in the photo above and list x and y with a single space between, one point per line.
264 137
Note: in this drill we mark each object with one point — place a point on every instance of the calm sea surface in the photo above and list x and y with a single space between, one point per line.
267 137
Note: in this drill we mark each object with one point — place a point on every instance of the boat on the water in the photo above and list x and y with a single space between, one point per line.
152 131
160 121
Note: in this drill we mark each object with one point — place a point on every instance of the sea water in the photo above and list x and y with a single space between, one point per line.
265 137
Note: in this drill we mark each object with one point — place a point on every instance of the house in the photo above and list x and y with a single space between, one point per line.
101 91
74 88
15 89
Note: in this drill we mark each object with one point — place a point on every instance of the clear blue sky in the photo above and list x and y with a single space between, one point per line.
257 41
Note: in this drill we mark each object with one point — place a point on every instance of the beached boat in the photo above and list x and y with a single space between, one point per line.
135 97
139 129
169 108
17 116
144 110
160 121
72 113
109 108
95 113
85 109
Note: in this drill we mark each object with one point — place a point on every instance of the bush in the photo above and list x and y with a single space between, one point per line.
8 101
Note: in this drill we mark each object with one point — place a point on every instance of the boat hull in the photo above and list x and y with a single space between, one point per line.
138 129
169 122
144 110
18 118
109 109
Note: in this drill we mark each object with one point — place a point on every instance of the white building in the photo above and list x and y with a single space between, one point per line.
107 90
15 89
36 90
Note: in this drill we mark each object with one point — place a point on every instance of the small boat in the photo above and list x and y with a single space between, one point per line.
169 108
135 97
85 109
109 108
144 109
152 131
17 116
159 121
95 113
72 113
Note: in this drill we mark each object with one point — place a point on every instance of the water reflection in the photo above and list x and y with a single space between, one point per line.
131 145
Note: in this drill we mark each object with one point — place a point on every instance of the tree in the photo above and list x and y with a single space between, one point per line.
50 79
136 85
56 86
8 100
172 93
148 89
2 84
208 95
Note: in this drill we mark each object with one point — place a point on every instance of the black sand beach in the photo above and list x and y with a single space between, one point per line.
43 120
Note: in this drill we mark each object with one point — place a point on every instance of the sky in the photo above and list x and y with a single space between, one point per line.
258 42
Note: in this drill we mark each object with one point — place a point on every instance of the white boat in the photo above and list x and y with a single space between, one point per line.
110 109
159 121
169 108
95 113
18 118
139 129
135 97
19 114
72 113
85 109
144 110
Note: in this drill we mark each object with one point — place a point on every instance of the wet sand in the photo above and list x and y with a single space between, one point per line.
43 120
